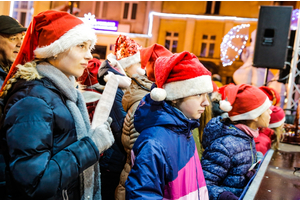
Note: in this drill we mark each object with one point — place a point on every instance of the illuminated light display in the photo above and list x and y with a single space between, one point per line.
208 17
233 43
99 24
152 14
294 19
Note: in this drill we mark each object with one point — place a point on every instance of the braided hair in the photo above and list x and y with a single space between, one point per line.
27 71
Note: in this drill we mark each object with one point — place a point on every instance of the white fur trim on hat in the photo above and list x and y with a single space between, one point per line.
188 87
78 34
253 113
277 124
128 61
158 94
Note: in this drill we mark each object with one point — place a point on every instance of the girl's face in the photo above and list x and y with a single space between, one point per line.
193 106
264 119
74 61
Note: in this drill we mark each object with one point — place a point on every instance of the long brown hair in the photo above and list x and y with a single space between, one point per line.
205 118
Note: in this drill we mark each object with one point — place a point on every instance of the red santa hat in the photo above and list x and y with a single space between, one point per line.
272 94
127 52
244 102
50 33
148 57
89 76
277 117
180 75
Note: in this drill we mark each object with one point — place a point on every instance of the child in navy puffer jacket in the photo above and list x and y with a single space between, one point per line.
229 146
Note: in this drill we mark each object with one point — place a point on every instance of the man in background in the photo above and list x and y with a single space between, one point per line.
11 38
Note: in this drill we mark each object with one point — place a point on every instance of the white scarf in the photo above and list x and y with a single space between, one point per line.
90 184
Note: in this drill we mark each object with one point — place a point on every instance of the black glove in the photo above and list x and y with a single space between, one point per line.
227 196
249 174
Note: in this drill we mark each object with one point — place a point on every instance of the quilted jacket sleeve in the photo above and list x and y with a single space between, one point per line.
29 135
129 135
118 114
215 164
146 178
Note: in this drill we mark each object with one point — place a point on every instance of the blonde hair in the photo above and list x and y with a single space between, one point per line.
27 71
278 134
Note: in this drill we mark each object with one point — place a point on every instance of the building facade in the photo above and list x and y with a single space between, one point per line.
195 26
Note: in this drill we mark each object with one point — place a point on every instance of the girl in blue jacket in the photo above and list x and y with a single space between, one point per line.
166 164
229 149
50 150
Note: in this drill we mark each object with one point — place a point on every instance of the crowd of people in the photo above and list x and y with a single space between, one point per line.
174 131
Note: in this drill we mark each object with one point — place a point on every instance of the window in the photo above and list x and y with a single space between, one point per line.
208 46
130 10
171 41
101 8
22 11
213 7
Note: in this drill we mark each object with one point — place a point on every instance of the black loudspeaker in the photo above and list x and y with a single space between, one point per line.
272 36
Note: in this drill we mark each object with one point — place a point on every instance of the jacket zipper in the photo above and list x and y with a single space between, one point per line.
65 195
251 153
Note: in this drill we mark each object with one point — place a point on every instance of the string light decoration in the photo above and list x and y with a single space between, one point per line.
233 43
294 20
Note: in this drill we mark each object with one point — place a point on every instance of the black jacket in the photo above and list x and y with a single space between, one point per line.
113 159
3 75
39 140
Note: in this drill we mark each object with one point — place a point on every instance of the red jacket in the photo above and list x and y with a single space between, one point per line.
263 141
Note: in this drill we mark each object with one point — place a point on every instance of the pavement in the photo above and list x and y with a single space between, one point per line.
276 179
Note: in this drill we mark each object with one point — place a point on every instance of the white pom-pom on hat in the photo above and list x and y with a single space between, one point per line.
225 105
158 94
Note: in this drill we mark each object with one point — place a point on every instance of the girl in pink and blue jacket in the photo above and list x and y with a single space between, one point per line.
166 164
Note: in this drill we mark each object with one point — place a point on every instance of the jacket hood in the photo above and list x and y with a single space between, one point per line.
216 128
159 113
139 87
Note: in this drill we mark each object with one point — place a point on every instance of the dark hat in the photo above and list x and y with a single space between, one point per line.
9 25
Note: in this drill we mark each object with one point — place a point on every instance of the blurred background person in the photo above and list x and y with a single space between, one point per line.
127 57
11 38
216 78
113 159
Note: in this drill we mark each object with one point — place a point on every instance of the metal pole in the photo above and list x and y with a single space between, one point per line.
293 71
266 76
